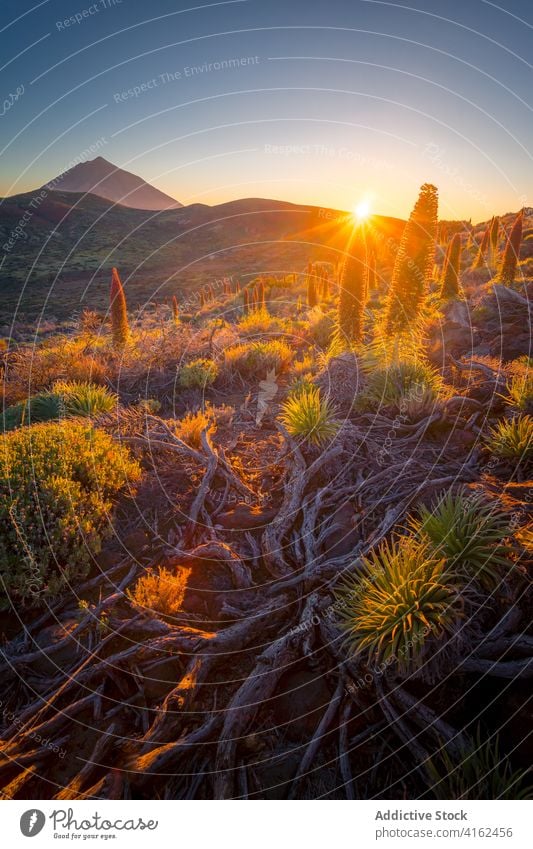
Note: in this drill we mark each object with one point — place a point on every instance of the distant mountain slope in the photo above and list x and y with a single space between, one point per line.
106 180
61 255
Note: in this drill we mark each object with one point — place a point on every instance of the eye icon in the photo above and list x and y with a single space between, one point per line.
32 822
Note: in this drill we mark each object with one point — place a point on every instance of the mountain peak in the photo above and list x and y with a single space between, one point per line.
100 177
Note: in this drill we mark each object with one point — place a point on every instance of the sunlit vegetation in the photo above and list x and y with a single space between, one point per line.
400 603
255 359
353 288
160 591
339 453
451 269
307 415
197 374
481 255
519 389
512 439
66 399
507 271
58 483
414 262
191 426
469 532
260 321
410 388
119 315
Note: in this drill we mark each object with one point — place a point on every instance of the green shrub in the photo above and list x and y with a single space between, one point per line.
468 531
198 374
57 485
254 360
259 322
309 416
401 601
513 439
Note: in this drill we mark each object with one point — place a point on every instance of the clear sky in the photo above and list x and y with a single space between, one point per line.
330 101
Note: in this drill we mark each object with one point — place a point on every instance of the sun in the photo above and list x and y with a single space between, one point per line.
361 210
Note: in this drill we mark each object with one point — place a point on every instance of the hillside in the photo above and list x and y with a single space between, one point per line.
280 532
69 242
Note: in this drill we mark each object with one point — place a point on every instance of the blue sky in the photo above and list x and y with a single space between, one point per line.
335 101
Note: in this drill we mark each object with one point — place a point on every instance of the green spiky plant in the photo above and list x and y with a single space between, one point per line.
479 772
401 602
479 261
414 262
519 392
353 289
308 416
45 407
507 272
451 269
119 314
68 398
410 388
85 399
469 531
513 439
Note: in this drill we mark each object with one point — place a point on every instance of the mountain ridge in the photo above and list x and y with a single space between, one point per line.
102 178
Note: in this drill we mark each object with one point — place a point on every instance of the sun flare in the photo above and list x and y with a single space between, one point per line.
361 210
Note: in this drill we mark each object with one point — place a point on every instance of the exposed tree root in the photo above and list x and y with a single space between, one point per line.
173 706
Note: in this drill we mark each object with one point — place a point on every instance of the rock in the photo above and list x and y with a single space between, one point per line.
506 295
451 339
511 344
458 313
341 379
